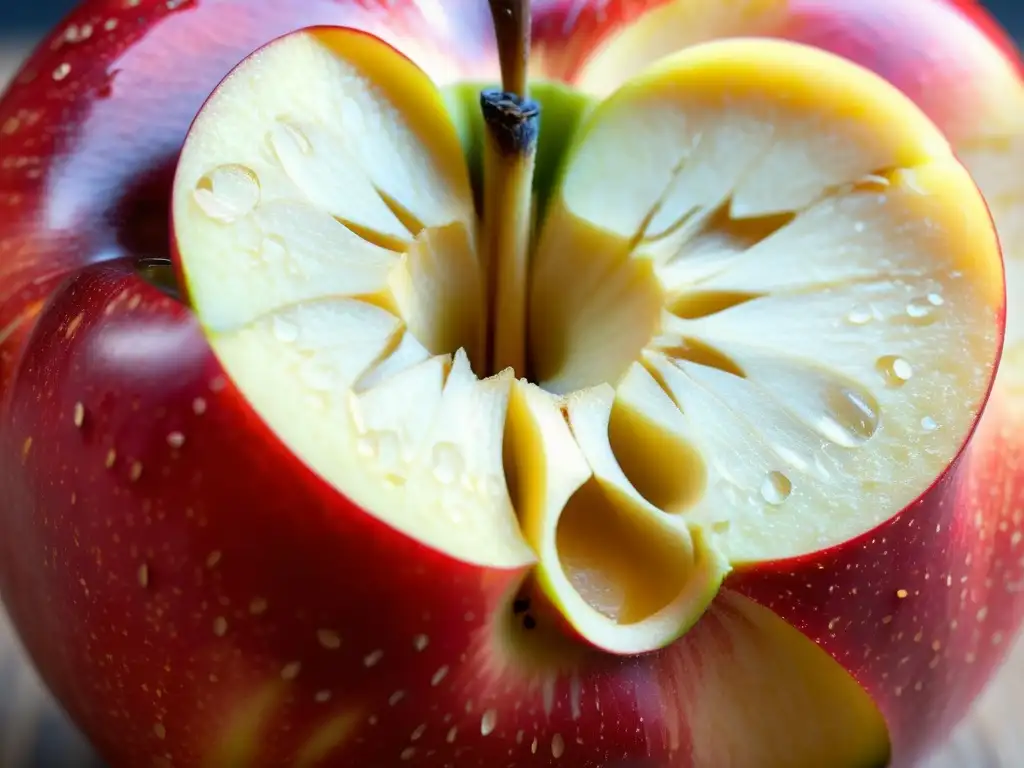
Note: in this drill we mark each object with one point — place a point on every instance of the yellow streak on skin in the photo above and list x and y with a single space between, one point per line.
327 738
240 746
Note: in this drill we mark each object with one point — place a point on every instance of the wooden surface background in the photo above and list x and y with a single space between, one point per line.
992 737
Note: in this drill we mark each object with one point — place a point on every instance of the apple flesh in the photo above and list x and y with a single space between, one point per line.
137 563
338 279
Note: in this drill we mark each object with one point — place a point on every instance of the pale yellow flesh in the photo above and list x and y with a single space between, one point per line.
327 233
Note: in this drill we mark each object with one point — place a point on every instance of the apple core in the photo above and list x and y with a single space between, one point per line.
753 319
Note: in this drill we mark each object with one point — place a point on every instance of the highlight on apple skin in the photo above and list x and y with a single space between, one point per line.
204 573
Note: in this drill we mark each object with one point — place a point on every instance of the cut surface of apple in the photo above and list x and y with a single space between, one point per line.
763 310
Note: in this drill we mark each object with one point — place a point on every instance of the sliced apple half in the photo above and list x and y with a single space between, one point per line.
762 310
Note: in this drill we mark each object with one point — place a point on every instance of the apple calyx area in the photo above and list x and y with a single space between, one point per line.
754 317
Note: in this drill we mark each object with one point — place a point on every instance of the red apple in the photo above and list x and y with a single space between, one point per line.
196 590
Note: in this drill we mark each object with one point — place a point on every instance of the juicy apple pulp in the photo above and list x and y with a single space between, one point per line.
209 600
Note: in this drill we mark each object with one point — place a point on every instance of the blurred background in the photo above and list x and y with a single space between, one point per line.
991 738
29 18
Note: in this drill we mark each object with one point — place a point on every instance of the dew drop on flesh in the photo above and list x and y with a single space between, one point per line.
850 418
928 424
285 331
227 193
859 315
895 370
776 488
922 310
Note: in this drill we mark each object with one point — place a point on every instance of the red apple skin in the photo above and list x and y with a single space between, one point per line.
166 598
924 609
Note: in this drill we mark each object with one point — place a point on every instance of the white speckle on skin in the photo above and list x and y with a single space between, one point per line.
408 753
220 626
213 558
199 406
396 697
135 472
291 670
160 731
488 722
372 659
420 730
62 71
79 415
420 642
143 575
557 745
439 676
257 606
576 696
452 733
322 696
329 639
175 439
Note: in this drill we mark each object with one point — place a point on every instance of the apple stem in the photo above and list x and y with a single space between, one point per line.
510 148
512 30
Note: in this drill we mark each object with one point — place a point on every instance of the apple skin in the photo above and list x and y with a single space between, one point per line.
166 598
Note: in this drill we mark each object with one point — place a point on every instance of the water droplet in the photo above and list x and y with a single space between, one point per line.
228 192
447 461
895 370
928 424
776 488
285 331
850 419
859 315
921 310
936 299
488 722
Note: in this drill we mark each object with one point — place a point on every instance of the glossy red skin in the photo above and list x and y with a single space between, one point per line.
117 577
